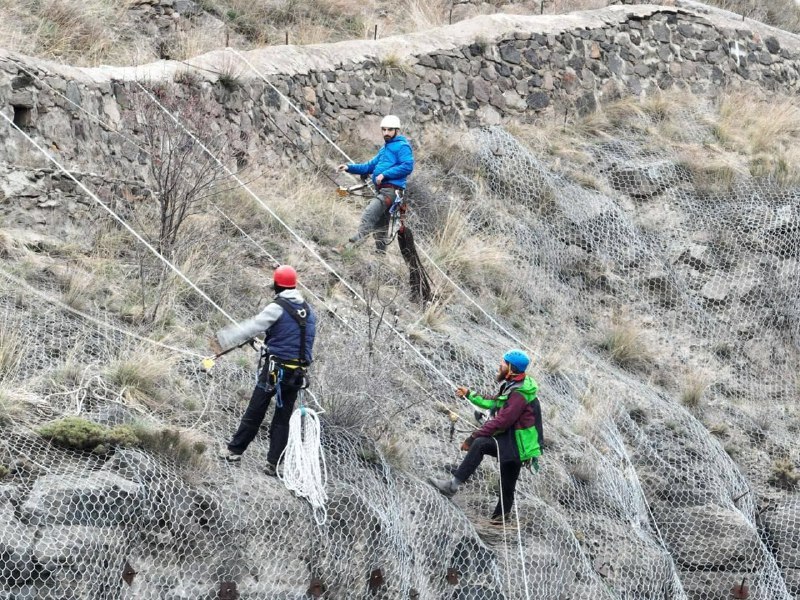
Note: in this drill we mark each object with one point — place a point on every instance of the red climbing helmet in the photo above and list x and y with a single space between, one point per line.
285 276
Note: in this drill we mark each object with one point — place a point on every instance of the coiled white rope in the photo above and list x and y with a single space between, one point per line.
304 471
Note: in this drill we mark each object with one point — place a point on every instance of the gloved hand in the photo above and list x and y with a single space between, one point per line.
462 391
214 345
467 443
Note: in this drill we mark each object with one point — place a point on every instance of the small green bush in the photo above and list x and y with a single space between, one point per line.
80 434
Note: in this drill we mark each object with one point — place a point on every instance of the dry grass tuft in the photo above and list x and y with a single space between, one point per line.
12 343
766 132
141 376
464 254
391 64
508 302
306 21
301 200
11 404
73 30
695 386
555 361
625 345
176 445
426 14
784 474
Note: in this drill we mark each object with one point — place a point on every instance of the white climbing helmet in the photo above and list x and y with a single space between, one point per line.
390 122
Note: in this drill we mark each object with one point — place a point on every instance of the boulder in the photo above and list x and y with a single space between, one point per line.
716 290
711 537
640 179
98 499
17 565
782 532
696 256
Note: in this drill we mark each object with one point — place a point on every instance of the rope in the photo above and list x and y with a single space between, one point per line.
216 207
304 470
519 530
291 104
275 261
296 236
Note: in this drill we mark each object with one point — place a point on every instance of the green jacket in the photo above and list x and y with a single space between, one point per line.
515 409
528 388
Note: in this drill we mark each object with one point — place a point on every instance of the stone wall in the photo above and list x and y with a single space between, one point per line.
481 71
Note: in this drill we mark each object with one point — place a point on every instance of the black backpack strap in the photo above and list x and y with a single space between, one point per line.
300 316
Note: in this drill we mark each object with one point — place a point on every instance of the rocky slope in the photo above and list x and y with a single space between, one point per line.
637 247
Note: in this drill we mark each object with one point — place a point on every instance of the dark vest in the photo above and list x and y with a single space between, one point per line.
283 338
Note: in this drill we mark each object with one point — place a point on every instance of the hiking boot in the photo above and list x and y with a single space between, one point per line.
342 248
500 519
226 454
271 470
445 486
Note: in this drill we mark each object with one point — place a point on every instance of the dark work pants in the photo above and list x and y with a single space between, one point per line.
510 467
254 416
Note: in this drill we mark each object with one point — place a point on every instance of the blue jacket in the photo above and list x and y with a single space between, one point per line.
394 161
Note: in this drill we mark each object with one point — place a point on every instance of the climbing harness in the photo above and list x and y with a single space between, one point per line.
273 371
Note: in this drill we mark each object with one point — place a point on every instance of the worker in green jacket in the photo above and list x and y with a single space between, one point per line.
513 434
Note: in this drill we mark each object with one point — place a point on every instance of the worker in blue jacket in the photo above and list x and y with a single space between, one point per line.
389 169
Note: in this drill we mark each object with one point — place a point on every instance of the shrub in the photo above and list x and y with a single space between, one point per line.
80 434
171 444
784 475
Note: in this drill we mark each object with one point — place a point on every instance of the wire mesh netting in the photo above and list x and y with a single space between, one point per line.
660 302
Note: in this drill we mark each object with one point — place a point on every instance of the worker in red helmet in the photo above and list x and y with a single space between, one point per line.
289 326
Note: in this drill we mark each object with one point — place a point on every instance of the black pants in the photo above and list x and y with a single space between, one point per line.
510 467
257 410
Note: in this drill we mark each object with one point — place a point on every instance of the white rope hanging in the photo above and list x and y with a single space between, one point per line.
304 471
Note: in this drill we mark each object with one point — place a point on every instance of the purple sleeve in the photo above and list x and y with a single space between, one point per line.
505 418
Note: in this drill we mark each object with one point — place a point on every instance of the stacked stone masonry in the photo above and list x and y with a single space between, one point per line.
521 74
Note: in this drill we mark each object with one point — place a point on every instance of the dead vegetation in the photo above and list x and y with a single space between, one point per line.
626 345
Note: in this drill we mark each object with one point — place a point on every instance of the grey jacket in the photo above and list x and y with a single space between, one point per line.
235 334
